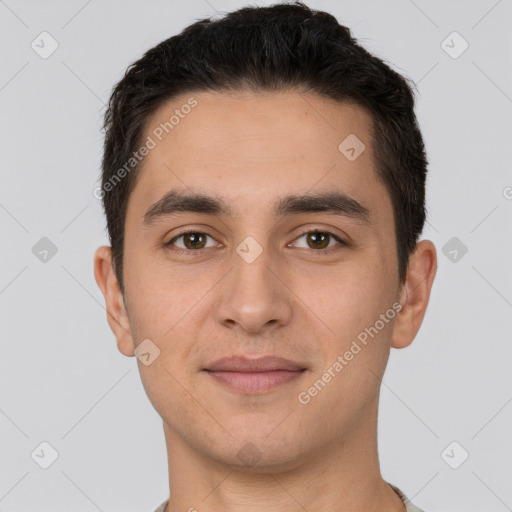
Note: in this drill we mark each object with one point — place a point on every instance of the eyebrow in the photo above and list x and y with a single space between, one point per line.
336 203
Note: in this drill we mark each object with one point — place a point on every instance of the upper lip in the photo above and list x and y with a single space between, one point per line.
260 364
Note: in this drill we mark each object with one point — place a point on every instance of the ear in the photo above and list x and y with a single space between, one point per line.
415 294
117 316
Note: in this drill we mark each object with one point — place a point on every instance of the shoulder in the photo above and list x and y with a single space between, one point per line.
161 508
409 507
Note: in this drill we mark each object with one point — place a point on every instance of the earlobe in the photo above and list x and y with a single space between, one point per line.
117 315
415 294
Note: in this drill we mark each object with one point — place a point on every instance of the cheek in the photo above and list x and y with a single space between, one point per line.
164 389
351 308
350 295
161 296
170 308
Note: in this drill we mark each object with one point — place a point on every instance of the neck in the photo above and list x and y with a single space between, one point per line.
344 476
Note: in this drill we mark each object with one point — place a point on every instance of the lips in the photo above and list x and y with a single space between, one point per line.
254 376
261 364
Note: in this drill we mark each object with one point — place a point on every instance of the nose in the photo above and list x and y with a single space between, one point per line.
253 296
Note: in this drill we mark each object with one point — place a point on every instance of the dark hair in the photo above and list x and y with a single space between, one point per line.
283 46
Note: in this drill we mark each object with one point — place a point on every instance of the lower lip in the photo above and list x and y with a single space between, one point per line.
255 382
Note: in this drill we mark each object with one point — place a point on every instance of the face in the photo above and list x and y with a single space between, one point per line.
290 253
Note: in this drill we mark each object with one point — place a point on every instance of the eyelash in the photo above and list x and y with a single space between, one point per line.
188 252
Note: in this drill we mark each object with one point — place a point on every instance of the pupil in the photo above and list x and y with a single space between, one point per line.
192 239
322 237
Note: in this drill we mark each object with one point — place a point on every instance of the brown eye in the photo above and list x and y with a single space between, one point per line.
194 240
189 241
318 240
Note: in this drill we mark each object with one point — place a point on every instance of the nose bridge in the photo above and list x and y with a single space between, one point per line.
252 296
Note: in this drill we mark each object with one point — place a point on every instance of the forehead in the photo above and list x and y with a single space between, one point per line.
250 146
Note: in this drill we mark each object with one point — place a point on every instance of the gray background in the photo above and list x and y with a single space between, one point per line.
63 380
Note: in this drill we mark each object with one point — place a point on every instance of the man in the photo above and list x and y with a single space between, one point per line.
264 187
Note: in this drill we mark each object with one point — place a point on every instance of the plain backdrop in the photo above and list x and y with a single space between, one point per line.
62 379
